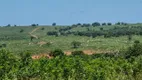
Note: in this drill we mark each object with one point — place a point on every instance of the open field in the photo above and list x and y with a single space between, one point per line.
17 41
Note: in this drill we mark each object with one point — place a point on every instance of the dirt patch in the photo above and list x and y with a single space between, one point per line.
42 55
88 52
42 43
67 52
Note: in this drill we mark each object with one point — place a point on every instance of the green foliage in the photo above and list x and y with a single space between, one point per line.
3 45
104 24
136 41
8 65
129 37
101 29
57 52
135 50
34 25
78 53
77 66
109 24
8 25
42 28
53 24
69 67
95 24
21 30
76 44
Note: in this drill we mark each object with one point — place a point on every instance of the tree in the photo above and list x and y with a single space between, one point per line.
15 25
129 37
42 28
78 24
101 28
136 41
21 30
33 24
103 24
85 25
75 44
135 50
8 25
53 24
109 24
118 23
57 52
95 24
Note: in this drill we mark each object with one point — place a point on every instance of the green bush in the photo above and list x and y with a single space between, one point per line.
8 65
93 67
135 50
75 53
76 44
57 52
21 30
42 28
136 41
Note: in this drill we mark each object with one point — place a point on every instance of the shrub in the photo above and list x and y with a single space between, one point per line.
51 33
135 50
3 45
42 28
54 24
74 53
75 44
57 52
33 24
21 30
8 65
101 29
136 41
129 37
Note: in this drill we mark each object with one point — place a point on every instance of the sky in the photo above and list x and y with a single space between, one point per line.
67 12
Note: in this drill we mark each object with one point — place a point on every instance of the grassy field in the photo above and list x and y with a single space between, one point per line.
22 41
28 60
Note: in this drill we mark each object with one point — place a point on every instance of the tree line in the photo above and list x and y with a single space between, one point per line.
79 24
115 32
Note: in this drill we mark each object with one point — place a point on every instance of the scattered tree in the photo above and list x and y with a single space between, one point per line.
95 24
129 37
15 25
118 23
53 24
57 52
75 44
42 28
109 24
78 24
136 41
21 30
101 28
8 25
33 25
103 24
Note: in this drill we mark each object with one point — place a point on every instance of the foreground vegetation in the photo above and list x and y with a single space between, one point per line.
118 66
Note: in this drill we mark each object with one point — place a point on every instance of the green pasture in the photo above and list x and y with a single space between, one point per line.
62 42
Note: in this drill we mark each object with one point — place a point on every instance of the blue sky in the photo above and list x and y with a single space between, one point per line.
65 12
